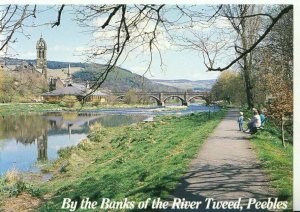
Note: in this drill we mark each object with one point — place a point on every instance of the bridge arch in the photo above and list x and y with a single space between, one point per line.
197 96
120 98
153 97
183 102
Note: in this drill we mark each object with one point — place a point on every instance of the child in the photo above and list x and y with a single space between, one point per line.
240 121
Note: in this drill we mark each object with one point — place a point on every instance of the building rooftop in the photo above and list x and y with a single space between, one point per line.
69 90
73 90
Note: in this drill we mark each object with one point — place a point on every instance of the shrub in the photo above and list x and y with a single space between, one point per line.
69 101
97 103
13 182
131 97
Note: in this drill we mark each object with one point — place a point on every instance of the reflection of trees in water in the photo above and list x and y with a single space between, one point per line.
42 144
24 128
28 129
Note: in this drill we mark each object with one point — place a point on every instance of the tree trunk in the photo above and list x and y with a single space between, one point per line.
248 85
282 130
247 66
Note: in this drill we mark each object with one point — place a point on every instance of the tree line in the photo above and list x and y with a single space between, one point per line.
264 78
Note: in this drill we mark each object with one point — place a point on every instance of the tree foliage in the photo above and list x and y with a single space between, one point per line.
229 87
270 71
21 86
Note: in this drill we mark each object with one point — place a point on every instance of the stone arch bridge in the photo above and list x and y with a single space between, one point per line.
162 97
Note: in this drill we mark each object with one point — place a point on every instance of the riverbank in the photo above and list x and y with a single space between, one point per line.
276 160
144 160
26 108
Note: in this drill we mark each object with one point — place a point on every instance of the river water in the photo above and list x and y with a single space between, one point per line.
29 141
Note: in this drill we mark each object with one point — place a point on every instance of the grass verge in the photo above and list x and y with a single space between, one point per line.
276 160
25 108
141 161
16 108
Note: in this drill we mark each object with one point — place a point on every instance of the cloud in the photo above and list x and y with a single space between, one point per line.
60 48
140 34
28 55
205 75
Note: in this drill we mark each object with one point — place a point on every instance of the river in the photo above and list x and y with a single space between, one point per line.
29 141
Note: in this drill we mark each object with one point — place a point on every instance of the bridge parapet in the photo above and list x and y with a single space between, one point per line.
161 97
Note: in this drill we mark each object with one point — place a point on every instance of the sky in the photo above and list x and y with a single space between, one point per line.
66 42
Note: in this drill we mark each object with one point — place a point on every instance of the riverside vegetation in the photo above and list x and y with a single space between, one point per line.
25 108
276 159
140 161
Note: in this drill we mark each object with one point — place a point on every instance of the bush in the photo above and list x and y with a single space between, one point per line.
13 183
131 97
69 101
97 103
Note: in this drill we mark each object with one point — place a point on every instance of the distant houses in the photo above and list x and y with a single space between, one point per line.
81 93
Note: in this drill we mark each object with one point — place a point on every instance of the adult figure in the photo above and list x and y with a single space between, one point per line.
255 122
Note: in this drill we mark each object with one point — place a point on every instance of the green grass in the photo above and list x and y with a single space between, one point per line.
140 161
19 108
25 108
276 160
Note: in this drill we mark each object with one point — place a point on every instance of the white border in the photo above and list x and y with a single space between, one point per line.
296 168
149 2
296 153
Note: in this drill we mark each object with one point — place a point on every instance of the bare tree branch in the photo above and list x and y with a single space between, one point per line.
57 23
274 21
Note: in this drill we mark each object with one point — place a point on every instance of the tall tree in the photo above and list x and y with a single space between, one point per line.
229 87
247 30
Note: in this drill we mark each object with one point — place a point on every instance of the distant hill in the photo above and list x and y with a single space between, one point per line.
50 64
118 80
199 85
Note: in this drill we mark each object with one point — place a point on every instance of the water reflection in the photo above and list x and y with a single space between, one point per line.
42 147
26 139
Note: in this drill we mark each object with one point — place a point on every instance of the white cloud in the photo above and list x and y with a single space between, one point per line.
205 75
60 48
27 55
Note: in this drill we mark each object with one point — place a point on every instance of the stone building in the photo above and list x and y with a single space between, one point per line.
77 91
41 60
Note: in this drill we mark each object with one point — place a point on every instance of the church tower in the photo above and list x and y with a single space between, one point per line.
41 60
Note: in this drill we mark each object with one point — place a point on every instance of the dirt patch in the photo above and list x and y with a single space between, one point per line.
23 202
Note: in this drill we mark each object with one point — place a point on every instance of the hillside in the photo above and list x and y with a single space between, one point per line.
50 64
118 80
199 85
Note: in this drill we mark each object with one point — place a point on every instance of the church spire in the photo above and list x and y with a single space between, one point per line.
69 74
41 51
69 78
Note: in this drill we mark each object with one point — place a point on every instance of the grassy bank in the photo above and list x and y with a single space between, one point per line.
276 160
19 108
140 161
25 108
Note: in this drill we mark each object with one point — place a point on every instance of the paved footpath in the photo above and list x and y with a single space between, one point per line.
226 168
